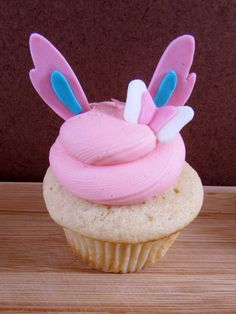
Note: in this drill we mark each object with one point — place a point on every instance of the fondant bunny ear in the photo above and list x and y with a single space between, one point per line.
54 79
171 82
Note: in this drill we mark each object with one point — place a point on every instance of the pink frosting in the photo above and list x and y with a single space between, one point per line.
102 158
95 138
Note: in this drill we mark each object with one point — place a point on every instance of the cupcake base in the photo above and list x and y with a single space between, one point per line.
118 257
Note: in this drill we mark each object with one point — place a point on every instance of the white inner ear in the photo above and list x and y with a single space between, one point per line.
133 101
173 127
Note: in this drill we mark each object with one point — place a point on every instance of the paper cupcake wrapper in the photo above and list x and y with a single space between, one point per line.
118 257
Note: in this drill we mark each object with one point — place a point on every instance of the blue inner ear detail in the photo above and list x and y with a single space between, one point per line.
64 92
166 89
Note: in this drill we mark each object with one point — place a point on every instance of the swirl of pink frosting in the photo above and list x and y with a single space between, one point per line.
100 157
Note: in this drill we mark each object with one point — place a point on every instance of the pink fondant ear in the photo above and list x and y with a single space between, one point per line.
177 57
48 59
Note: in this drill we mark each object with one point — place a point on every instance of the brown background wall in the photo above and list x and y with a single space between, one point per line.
108 43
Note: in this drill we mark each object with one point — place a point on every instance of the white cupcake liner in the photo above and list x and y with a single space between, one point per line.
118 257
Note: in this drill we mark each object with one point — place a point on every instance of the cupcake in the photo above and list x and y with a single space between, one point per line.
118 182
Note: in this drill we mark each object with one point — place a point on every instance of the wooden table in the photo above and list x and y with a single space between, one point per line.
39 273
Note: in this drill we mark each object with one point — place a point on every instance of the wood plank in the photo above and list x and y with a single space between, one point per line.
39 274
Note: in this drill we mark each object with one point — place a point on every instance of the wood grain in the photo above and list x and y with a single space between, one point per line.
39 274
